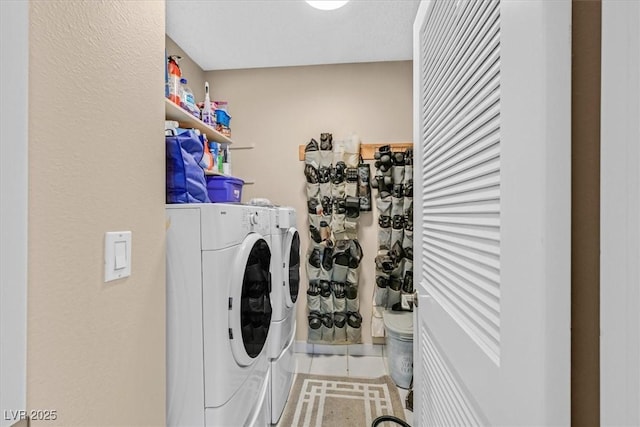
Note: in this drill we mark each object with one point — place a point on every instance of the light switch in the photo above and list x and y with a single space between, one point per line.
117 255
121 254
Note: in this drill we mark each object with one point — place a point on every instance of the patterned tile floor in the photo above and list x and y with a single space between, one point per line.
348 366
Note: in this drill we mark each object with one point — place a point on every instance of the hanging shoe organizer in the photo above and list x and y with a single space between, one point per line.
337 191
394 259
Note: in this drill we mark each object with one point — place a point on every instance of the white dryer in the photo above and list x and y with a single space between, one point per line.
286 281
218 315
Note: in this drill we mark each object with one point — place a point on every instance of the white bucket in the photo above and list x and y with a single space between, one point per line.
399 346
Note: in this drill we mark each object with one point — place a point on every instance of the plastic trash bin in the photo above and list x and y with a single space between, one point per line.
398 327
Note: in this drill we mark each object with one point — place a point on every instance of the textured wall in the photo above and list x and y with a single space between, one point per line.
277 109
96 351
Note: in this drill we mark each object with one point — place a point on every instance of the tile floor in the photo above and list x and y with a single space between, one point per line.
348 366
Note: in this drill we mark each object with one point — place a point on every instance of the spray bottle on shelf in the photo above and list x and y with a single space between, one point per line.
207 111
174 79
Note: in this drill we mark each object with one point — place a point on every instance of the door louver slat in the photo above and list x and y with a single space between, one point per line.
459 199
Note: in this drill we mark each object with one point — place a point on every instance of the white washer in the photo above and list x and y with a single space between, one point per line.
286 280
218 315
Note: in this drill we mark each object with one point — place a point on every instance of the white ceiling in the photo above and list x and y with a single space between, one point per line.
233 34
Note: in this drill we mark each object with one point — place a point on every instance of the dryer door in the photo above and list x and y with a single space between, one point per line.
250 301
291 261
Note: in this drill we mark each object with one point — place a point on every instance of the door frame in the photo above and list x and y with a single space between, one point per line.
14 190
620 215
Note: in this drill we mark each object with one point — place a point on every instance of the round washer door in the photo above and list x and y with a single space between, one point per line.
291 261
250 301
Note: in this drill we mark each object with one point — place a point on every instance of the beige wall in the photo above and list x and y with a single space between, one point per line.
277 109
96 351
189 69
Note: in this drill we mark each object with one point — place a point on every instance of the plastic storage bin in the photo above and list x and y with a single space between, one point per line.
399 342
223 118
224 189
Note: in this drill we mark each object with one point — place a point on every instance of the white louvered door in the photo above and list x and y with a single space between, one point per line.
492 99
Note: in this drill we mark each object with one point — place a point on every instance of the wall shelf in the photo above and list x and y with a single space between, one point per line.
186 120
367 150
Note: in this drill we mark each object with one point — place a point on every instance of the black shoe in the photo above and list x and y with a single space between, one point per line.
327 258
338 173
339 319
312 174
312 146
398 158
312 206
354 319
314 258
315 234
384 221
352 205
327 205
397 191
315 320
382 281
327 320
324 174
355 254
408 157
398 222
407 283
408 188
325 288
326 141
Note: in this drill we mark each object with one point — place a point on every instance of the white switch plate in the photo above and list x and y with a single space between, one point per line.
117 255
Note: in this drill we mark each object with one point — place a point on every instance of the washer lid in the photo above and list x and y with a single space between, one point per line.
399 322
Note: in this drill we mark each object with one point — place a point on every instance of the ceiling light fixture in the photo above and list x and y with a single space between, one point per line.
327 4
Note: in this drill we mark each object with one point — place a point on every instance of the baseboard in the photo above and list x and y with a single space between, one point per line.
350 349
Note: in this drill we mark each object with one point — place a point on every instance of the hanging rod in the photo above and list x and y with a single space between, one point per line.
368 149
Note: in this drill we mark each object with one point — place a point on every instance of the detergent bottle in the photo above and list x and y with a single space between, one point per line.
174 79
207 110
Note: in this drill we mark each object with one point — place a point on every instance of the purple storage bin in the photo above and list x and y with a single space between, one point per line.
224 189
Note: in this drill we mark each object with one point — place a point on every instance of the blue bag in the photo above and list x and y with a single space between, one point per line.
185 178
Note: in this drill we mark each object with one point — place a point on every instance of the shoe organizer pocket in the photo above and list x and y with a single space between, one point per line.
397 172
312 158
352 275
337 225
351 228
313 296
325 189
338 190
384 238
313 191
315 326
407 243
326 157
313 264
384 206
397 206
382 285
393 297
326 304
339 273
353 304
339 327
407 205
327 327
339 303
354 327
396 236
